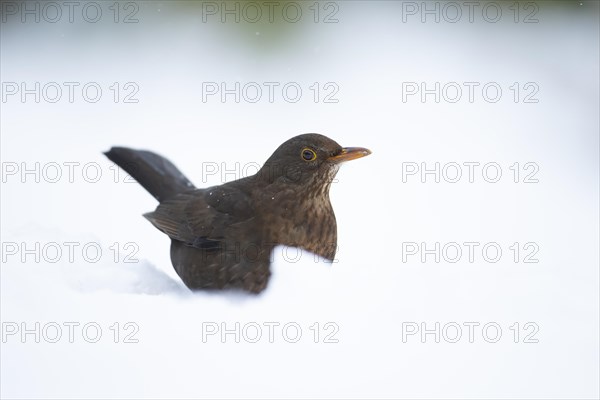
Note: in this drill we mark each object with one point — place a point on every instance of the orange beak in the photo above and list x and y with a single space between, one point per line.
350 153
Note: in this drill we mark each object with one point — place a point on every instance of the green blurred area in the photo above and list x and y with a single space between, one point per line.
266 33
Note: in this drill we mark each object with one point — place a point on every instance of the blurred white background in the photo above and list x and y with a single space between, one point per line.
369 53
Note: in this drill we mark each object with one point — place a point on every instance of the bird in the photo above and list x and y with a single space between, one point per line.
222 236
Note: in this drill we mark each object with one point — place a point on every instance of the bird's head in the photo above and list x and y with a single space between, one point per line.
310 159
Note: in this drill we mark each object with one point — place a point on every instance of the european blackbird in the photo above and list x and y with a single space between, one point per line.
222 236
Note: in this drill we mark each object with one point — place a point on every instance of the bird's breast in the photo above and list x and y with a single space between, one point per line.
308 223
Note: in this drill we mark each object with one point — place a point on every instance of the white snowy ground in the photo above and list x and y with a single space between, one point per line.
167 345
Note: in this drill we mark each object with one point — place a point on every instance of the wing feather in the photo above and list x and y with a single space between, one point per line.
203 217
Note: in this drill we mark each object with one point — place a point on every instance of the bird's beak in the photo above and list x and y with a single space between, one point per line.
350 153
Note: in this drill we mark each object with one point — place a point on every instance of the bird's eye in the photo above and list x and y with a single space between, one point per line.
308 154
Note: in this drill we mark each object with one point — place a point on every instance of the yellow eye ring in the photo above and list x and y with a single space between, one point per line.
308 154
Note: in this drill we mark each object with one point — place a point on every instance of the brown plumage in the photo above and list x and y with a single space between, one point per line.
222 236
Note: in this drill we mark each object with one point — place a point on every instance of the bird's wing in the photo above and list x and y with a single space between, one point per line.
204 217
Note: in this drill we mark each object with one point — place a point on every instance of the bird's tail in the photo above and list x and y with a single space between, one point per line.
155 173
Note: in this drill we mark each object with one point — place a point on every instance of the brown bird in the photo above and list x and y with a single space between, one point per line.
222 236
